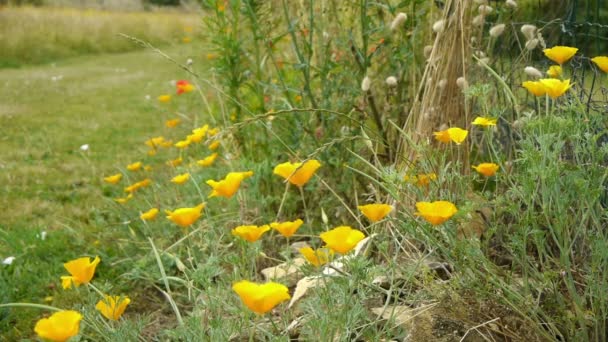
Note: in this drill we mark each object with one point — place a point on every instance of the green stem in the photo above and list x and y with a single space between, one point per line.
30 305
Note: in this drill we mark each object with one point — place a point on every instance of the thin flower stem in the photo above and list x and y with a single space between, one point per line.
304 203
282 200
274 325
30 305
96 290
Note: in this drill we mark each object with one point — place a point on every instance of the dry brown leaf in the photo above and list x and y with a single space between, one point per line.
287 272
303 286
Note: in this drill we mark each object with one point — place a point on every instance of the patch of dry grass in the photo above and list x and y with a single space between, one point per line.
38 35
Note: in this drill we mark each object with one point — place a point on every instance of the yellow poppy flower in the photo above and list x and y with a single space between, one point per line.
421 179
136 186
560 54
535 87
487 169
207 161
288 228
554 71
164 98
151 153
183 143
297 173
436 212
250 233
60 326
184 217
175 162
261 298
149 215
481 121
155 142
554 87
228 186
442 136
342 239
124 200
457 135
214 145
113 179
172 123
317 257
148 168
375 212
601 62
181 179
112 307
213 132
197 135
81 272
135 166
167 143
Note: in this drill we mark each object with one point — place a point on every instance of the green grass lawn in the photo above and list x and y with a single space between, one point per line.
48 184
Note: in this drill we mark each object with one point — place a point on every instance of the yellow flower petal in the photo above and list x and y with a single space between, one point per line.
481 121
457 135
172 123
442 136
375 212
601 62
113 179
135 166
250 233
554 87
149 215
181 179
164 98
228 186
297 173
342 239
560 54
535 87
487 169
261 298
436 212
60 326
317 257
207 161
185 217
287 229
112 307
554 71
81 270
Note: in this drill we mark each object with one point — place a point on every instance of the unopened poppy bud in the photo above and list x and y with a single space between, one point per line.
483 61
391 81
399 19
478 20
462 83
529 31
497 30
439 26
427 51
366 84
511 3
533 72
485 9
531 44
189 62
442 83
